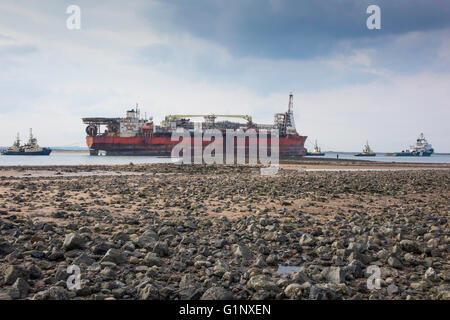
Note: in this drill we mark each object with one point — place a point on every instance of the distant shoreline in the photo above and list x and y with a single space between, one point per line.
69 151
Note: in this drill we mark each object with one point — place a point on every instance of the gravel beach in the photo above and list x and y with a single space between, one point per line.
168 231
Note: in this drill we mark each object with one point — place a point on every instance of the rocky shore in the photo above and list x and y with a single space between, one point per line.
167 231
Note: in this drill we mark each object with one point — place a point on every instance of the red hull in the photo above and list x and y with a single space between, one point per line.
161 145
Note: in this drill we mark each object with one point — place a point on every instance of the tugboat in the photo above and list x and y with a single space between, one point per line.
29 149
421 149
367 152
316 151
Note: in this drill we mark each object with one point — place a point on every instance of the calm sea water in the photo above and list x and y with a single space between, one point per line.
83 158
434 158
77 158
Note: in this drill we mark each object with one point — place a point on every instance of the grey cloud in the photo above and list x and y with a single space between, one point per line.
290 28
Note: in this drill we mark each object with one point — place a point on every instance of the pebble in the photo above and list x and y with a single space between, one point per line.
186 237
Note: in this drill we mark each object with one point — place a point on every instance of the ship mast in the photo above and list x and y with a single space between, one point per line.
291 103
289 118
17 142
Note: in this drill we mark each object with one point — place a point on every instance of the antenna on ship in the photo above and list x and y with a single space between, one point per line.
289 115
17 143
291 102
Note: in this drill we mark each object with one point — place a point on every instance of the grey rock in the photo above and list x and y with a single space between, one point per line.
13 272
146 239
4 295
121 236
118 293
357 247
319 292
299 277
306 240
262 282
356 255
167 230
260 262
383 254
272 260
188 281
220 268
102 248
22 287
6 248
190 293
394 262
412 259
243 252
115 256
151 259
55 255
53 293
186 240
149 292
217 293
13 293
335 275
84 290
161 249
354 270
108 274
220 243
443 291
73 241
293 291
430 274
392 289
84 259
410 246
61 272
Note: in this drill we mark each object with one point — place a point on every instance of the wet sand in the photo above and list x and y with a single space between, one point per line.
288 164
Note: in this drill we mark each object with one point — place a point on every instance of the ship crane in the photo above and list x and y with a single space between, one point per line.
210 117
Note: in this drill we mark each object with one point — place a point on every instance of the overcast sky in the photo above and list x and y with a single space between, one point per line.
350 84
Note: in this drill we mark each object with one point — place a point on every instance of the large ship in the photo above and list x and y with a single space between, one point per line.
421 149
134 135
29 149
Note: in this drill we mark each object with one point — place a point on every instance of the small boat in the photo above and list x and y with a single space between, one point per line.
316 151
367 152
29 149
421 149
